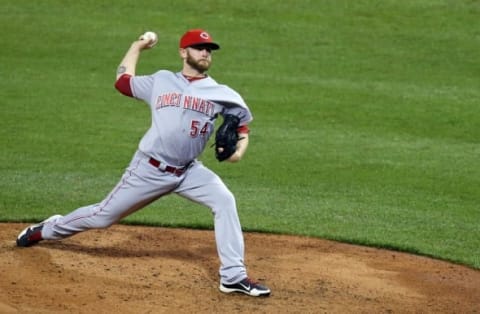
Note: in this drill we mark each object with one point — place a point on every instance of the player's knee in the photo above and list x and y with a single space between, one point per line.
227 198
98 222
224 202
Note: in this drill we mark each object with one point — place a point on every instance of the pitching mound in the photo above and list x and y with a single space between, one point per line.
128 269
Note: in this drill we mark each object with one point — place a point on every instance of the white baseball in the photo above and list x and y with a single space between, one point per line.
150 36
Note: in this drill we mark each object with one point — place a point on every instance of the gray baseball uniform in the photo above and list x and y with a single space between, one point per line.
183 116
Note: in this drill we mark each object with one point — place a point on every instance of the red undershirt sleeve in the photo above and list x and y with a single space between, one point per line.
243 129
123 85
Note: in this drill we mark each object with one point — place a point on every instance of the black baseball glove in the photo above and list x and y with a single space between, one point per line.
226 137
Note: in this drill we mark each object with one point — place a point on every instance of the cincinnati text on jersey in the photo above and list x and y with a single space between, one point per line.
187 102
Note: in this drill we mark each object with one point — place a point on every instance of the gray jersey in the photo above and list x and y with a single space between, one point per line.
183 114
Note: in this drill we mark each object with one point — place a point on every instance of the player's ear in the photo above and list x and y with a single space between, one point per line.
183 53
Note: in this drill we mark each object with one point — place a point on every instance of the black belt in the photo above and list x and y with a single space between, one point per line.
176 171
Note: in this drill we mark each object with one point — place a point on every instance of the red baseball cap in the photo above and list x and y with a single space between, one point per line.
195 37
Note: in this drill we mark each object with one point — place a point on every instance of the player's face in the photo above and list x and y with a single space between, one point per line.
199 58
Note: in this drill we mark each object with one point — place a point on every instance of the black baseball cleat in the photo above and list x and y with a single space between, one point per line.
246 286
30 235
33 234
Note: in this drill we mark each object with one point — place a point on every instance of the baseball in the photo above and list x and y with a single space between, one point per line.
150 36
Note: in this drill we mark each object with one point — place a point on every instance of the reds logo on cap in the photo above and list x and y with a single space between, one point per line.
196 37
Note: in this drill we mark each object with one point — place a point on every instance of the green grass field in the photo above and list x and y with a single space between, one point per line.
366 127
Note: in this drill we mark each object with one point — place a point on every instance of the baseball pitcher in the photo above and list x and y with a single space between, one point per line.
184 106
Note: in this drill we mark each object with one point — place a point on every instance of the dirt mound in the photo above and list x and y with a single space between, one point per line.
130 269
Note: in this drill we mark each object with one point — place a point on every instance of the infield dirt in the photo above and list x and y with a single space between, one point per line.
131 269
